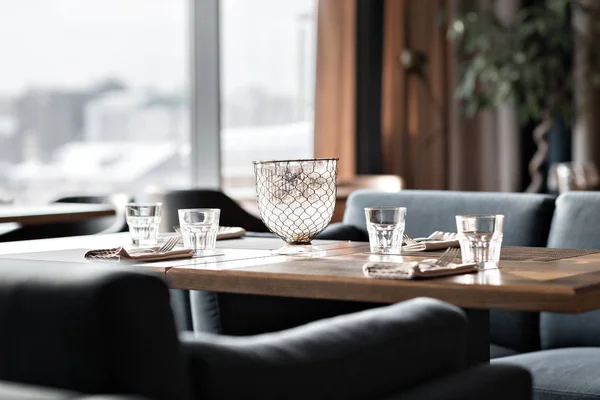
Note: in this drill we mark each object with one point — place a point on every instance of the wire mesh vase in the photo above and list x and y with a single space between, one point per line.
296 199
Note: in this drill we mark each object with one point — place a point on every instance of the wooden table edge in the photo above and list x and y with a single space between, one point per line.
58 217
378 290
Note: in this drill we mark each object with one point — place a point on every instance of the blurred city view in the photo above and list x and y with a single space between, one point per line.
71 125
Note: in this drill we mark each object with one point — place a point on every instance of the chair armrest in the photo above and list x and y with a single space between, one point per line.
370 354
490 382
341 231
18 391
89 328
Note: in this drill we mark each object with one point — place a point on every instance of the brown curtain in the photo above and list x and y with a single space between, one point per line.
424 138
335 84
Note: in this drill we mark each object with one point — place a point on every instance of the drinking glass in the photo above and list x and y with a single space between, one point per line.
143 220
480 238
386 227
199 228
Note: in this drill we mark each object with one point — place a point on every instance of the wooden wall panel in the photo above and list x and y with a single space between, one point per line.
415 115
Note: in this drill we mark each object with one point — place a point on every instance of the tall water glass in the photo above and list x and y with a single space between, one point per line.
199 228
480 238
143 220
386 227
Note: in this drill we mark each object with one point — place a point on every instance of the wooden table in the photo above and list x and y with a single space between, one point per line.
53 213
248 266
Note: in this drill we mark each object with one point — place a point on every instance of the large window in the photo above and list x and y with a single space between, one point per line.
93 96
267 84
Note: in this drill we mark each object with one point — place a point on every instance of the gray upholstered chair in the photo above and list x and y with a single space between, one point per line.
567 366
101 330
528 216
89 329
232 214
111 224
197 310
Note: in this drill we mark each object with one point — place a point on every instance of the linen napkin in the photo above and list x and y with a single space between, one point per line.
120 253
415 270
436 241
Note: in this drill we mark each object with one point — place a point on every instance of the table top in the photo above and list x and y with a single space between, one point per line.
53 213
249 266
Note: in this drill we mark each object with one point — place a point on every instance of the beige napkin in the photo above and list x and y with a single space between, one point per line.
225 232
436 241
120 253
414 270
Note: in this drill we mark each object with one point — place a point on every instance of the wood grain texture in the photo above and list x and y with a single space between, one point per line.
335 89
570 285
249 266
54 213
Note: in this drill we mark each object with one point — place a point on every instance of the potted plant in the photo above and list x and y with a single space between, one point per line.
529 61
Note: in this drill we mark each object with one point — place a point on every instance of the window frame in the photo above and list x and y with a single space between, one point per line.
205 94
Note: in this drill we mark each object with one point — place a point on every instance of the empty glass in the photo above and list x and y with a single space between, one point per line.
386 227
199 228
480 238
143 220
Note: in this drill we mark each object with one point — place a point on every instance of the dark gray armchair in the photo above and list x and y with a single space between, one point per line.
98 330
566 367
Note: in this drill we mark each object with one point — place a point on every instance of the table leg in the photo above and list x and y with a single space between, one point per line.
478 336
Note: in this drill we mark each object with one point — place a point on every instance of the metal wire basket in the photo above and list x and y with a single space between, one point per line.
296 198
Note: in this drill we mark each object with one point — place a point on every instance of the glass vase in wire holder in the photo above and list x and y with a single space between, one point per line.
296 199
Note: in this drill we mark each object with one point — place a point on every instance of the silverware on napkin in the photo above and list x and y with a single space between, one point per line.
120 253
438 240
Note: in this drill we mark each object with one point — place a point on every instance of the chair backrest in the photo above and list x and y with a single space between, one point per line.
196 310
91 329
114 224
527 223
575 225
232 214
576 220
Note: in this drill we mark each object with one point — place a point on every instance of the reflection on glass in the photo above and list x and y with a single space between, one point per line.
483 277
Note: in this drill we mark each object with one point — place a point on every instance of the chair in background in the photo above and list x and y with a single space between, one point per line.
112 224
197 310
103 330
570 343
232 214
385 183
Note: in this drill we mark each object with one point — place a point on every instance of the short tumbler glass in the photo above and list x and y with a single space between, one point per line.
199 228
386 227
143 220
480 239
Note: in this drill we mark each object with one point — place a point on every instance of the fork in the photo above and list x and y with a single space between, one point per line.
177 230
168 246
409 240
446 257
